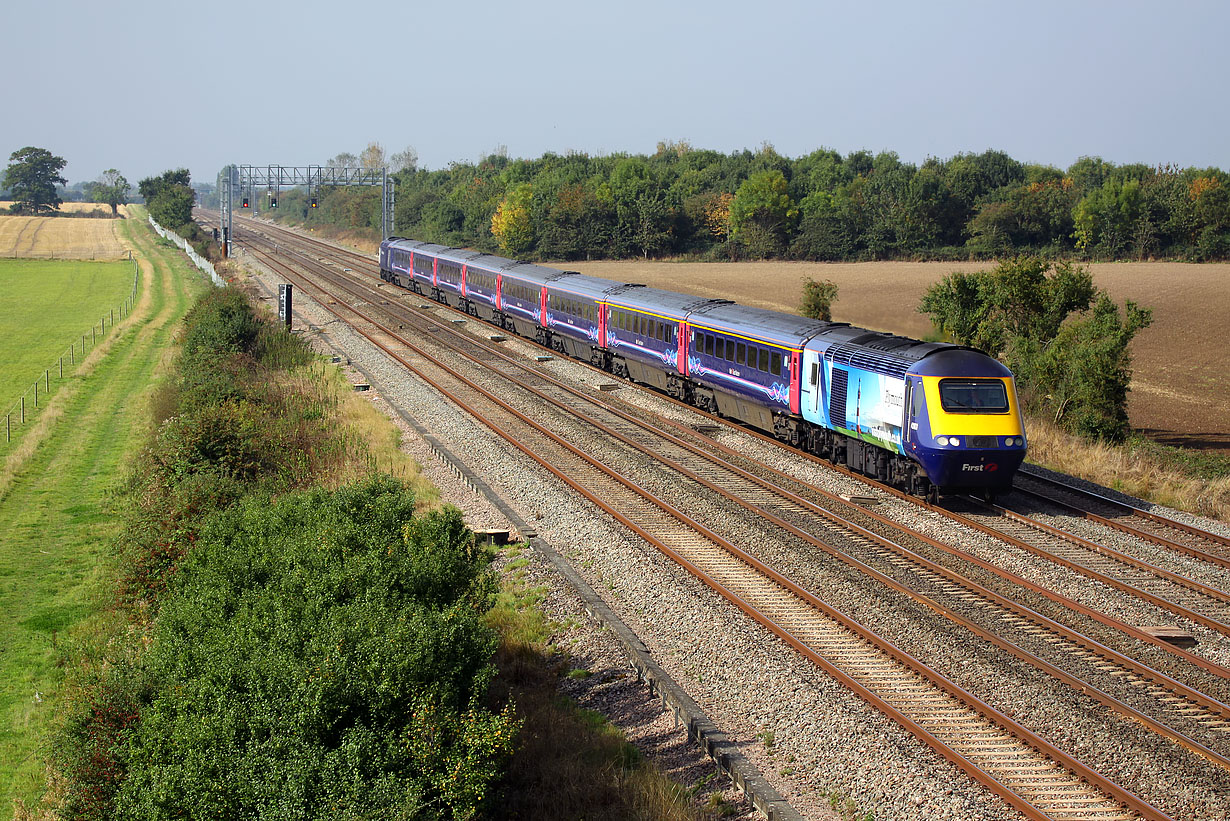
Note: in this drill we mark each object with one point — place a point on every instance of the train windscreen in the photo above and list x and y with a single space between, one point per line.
973 396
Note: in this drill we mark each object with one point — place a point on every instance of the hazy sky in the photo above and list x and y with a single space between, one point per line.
149 86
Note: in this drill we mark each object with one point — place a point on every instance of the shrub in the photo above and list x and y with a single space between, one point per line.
818 298
323 656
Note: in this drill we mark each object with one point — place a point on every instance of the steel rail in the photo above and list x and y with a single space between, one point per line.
1137 634
1158 539
1205 664
1007 724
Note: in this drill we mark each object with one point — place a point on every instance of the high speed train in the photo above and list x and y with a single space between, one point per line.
928 417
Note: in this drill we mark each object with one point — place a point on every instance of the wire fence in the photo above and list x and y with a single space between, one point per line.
26 407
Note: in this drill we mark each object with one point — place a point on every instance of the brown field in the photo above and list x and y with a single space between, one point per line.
79 208
60 238
1181 385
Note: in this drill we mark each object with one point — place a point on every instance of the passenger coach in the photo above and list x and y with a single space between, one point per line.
925 416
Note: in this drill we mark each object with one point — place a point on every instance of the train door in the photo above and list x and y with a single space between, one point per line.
810 386
909 413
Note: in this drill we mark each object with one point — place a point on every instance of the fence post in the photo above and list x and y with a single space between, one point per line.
23 409
8 427
47 377
61 367
35 393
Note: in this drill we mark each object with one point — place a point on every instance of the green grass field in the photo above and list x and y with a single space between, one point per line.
54 524
47 306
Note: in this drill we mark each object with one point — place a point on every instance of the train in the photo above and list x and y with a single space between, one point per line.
930 418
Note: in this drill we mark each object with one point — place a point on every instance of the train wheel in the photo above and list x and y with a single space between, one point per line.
933 494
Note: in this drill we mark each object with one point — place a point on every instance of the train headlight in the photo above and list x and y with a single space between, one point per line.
941 440
954 441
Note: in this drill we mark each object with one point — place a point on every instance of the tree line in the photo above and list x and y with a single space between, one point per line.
683 201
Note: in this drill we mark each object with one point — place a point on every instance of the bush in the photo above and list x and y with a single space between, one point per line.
323 656
818 299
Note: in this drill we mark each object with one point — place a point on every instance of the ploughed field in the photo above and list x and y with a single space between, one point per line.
1181 363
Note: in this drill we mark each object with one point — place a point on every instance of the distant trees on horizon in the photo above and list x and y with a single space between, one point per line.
683 201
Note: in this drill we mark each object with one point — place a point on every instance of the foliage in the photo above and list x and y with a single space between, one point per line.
822 206
1065 341
762 212
32 177
1081 379
312 653
169 198
511 225
323 656
818 299
1024 296
111 189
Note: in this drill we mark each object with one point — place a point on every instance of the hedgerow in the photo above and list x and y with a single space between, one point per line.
323 657
295 651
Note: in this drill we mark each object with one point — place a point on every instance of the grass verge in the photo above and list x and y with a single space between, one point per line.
54 521
1175 477
48 305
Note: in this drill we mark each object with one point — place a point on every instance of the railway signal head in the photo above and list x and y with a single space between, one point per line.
245 202
313 202
273 202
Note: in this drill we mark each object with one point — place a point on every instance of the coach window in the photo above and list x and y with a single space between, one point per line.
775 364
764 359
741 356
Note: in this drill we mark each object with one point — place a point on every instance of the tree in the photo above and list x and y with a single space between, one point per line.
511 224
344 160
984 309
762 212
32 177
818 298
1081 380
169 197
372 157
151 187
112 189
1075 369
405 160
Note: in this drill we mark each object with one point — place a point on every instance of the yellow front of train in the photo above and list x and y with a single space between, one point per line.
965 426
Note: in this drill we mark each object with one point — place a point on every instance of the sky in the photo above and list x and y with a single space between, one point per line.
145 87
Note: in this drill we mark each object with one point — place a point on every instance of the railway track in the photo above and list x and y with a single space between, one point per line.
1202 719
1163 531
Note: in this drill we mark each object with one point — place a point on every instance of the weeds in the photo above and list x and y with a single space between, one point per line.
1175 477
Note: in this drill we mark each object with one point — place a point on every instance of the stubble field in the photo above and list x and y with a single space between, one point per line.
1181 385
60 237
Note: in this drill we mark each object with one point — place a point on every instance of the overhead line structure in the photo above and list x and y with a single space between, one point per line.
247 180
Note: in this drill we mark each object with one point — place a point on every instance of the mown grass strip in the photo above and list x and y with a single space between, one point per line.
54 527
48 306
